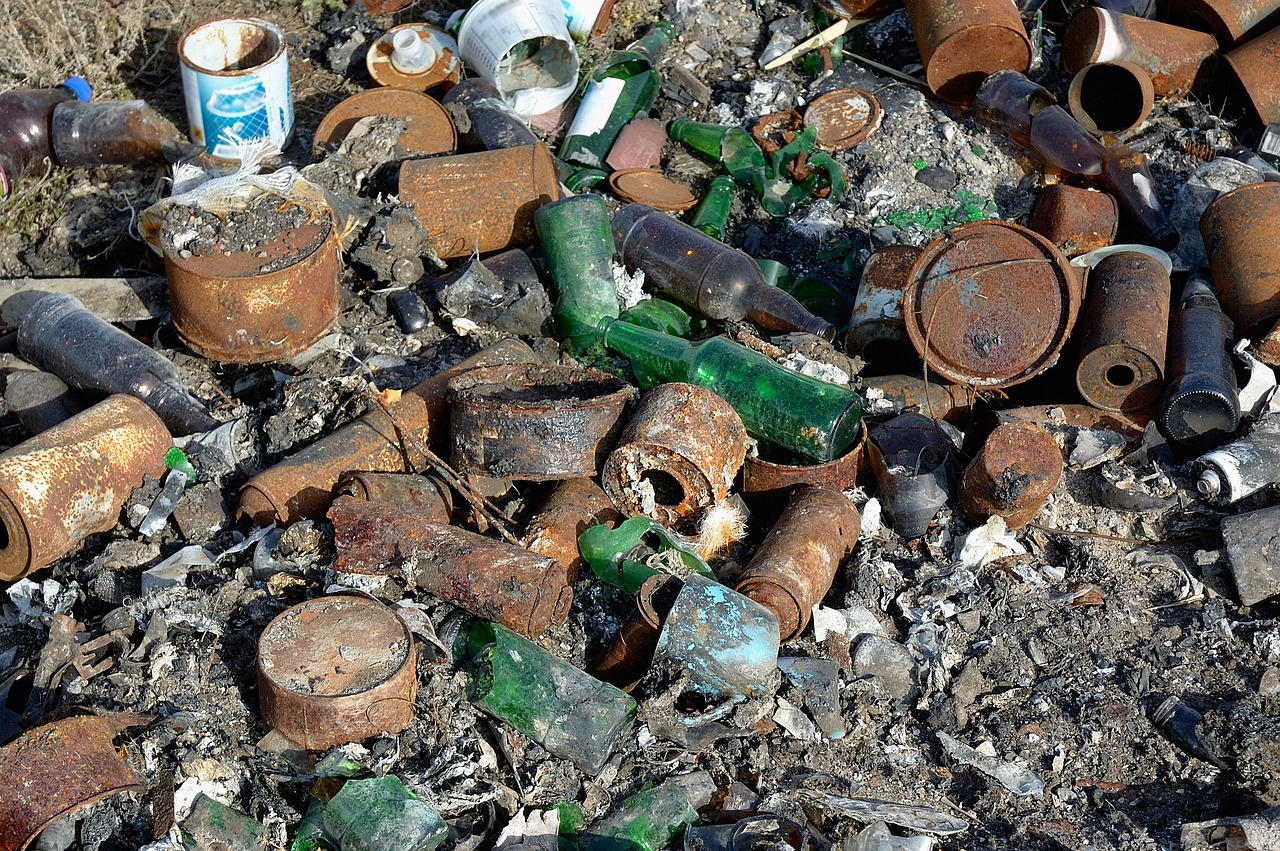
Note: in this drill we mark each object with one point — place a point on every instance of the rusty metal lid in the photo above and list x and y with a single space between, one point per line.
430 129
444 66
844 118
650 186
990 303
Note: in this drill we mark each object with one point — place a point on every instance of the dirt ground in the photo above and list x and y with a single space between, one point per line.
1053 659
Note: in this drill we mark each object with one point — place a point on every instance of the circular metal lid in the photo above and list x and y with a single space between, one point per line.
650 186
844 118
990 303
430 129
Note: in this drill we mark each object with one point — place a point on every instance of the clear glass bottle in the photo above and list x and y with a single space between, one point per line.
115 133
806 416
704 273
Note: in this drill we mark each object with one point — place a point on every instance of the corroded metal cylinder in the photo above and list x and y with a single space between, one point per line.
677 456
301 486
950 402
795 566
428 128
1125 327
71 481
1111 97
963 41
1013 475
479 202
491 579
766 485
228 309
335 670
426 496
876 325
1254 64
574 506
1244 257
535 422
628 655
1229 20
1076 220
1178 60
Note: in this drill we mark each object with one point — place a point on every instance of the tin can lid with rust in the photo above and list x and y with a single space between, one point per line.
414 56
429 129
844 118
990 303
650 186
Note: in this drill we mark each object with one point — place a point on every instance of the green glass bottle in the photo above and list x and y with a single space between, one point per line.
711 216
381 814
575 236
621 556
809 417
651 818
623 88
703 273
732 147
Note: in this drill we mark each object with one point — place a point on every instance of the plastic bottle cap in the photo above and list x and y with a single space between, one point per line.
80 87
411 54
1209 485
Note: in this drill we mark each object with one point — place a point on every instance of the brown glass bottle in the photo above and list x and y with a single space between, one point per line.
25 116
703 273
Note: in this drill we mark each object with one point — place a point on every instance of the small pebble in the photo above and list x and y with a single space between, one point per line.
937 178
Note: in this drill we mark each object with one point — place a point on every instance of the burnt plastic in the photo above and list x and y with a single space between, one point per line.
1200 408
61 336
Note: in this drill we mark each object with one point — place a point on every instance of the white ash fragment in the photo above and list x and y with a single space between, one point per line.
630 286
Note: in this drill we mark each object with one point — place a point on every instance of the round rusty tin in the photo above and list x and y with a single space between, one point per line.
335 670
443 64
429 129
1254 64
991 303
844 118
650 186
1074 219
1244 256
535 422
962 42
766 485
227 310
1111 97
1013 475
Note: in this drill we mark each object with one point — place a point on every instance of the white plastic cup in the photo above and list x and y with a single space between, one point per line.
524 49
235 78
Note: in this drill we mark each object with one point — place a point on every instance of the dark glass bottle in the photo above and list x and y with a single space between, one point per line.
807 416
25 135
494 124
705 274
59 335
1200 408
115 133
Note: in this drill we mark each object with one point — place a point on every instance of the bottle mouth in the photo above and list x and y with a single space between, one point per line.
820 327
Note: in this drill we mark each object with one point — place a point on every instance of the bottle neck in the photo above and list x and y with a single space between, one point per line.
657 357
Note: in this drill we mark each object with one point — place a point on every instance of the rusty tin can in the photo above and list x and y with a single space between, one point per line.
573 506
227 308
795 566
301 486
626 658
335 670
491 579
1244 257
1111 97
1254 65
1076 220
414 56
71 481
1229 20
950 402
1178 60
876 330
1126 323
426 496
677 456
480 202
766 485
535 422
1013 475
991 303
964 41
428 128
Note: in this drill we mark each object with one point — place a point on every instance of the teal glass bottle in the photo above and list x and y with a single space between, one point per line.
812 418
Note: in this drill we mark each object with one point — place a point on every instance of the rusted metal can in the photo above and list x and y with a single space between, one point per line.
1126 325
1079 416
1013 475
950 402
573 506
1244 258
915 476
1229 20
426 496
1254 64
335 670
414 56
1268 348
1178 60
963 41
876 330
795 566
677 456
1076 220
497 581
428 128
767 485
71 481
535 422
480 202
55 769
226 308
1111 97
301 486
628 655
991 303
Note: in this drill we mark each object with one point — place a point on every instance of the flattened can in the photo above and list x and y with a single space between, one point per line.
235 78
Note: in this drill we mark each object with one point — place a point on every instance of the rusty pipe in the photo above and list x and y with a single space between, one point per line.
795 566
1178 60
963 41
1111 97
574 506
1013 475
497 581
71 481
1254 65
427 496
301 486
1229 20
